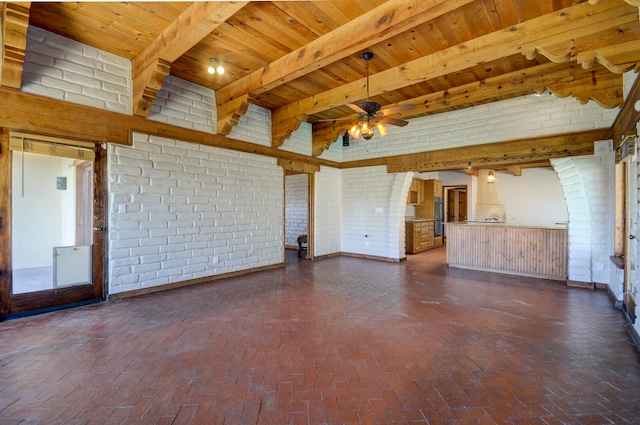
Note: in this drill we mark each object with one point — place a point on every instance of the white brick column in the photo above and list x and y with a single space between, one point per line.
587 183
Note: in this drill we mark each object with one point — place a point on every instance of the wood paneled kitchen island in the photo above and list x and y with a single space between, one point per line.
523 250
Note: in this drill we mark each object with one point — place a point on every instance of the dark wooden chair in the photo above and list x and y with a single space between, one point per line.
302 244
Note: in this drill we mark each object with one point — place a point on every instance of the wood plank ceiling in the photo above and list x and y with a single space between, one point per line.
303 59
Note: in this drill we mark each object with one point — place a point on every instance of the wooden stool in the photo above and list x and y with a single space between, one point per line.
302 244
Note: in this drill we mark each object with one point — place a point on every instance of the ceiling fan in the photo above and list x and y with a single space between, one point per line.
372 114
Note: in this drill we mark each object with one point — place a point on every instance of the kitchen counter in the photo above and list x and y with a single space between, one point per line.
538 251
418 220
505 224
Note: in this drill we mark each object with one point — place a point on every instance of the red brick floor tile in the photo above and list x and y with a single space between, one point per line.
334 341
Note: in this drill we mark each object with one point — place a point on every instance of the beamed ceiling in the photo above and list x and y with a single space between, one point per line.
303 59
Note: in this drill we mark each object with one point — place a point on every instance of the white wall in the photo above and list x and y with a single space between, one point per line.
181 211
327 211
63 69
296 207
184 104
535 198
373 211
45 217
588 187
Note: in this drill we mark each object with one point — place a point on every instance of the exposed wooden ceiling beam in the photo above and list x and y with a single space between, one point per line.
40 115
631 2
515 170
628 116
557 29
470 171
15 22
154 62
379 24
501 154
597 84
527 153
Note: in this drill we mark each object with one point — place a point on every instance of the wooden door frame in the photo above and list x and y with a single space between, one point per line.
630 236
15 305
447 189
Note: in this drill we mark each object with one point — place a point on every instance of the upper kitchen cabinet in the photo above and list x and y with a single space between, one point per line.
416 192
432 189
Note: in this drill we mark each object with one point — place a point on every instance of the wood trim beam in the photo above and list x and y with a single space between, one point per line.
281 131
628 116
560 27
31 113
5 223
597 84
229 114
15 22
502 154
375 26
515 170
537 150
324 134
290 165
151 65
470 171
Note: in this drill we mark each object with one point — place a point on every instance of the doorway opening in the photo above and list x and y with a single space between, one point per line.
297 213
52 238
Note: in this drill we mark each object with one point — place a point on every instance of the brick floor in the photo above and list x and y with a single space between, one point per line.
334 341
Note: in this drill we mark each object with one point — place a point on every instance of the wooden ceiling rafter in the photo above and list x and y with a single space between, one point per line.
390 18
631 2
561 27
153 63
596 84
15 22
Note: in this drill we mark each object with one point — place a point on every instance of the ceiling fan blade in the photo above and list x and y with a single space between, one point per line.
398 109
337 119
394 121
356 108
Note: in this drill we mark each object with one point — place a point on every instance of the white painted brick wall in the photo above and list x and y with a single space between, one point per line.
297 207
334 153
588 186
300 140
186 105
180 211
60 68
373 211
327 211
523 117
254 126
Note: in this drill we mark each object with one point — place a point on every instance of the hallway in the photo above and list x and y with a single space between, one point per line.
334 341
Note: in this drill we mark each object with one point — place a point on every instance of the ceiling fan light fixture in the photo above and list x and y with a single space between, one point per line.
382 130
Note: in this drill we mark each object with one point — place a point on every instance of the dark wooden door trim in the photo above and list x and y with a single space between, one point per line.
20 304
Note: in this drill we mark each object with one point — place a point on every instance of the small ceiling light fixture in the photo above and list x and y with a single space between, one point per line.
469 165
215 67
491 178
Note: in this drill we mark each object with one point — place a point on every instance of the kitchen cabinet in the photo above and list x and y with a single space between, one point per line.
419 236
432 189
416 192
